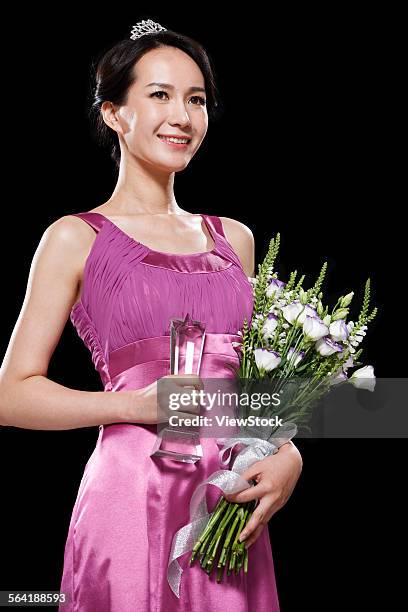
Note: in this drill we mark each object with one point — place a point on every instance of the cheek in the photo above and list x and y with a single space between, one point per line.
201 124
147 120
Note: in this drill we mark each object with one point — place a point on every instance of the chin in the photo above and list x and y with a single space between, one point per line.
169 169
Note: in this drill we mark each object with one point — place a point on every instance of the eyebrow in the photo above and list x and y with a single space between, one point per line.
168 86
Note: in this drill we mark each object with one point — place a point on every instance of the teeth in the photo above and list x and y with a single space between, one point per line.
177 140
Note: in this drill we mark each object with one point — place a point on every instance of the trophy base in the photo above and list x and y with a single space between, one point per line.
178 446
176 456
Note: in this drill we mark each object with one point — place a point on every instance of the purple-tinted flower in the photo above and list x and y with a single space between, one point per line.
266 359
298 357
338 330
325 346
296 309
275 286
348 364
270 325
314 328
338 377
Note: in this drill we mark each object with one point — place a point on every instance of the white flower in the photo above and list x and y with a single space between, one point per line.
338 377
314 328
348 364
338 330
298 311
298 357
326 347
363 378
266 359
270 325
275 288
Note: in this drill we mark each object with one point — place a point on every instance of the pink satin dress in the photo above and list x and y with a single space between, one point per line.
129 505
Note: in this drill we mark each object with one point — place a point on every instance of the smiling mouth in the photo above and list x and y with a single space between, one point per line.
175 140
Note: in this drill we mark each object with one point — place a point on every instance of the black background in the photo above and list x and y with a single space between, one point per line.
308 145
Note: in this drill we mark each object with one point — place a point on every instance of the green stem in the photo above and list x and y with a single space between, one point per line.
218 511
226 546
230 512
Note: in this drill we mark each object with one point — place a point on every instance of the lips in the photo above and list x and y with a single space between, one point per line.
163 136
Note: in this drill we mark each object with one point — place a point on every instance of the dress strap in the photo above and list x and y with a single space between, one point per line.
224 247
93 219
215 224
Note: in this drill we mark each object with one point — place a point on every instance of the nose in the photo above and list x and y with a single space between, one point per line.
180 116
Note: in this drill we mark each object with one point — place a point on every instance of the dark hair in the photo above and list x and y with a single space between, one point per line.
114 75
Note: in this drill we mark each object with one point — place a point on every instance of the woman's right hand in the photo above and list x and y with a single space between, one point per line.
150 404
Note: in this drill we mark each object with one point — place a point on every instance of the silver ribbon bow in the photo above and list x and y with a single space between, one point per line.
229 482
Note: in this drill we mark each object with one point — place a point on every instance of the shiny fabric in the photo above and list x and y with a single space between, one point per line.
129 505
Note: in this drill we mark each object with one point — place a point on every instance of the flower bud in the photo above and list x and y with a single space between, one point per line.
345 301
303 296
340 314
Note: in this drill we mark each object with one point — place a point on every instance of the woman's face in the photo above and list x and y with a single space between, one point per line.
178 109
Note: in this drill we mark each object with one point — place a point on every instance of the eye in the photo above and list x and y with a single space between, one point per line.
202 100
157 92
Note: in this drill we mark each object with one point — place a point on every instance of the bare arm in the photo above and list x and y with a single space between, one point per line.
28 399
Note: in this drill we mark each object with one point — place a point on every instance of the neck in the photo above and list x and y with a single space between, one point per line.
143 189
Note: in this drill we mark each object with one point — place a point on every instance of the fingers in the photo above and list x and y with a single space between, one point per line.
183 395
255 525
253 470
253 492
254 536
187 380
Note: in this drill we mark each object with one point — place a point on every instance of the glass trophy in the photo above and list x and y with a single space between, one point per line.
182 443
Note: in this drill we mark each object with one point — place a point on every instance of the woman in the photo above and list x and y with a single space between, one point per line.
120 271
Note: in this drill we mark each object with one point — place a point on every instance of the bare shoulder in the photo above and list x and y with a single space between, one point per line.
236 226
237 230
69 229
242 240
71 237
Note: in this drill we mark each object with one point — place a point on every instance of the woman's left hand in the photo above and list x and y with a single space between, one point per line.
276 477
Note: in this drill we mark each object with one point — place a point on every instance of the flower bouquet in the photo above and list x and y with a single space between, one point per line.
302 348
